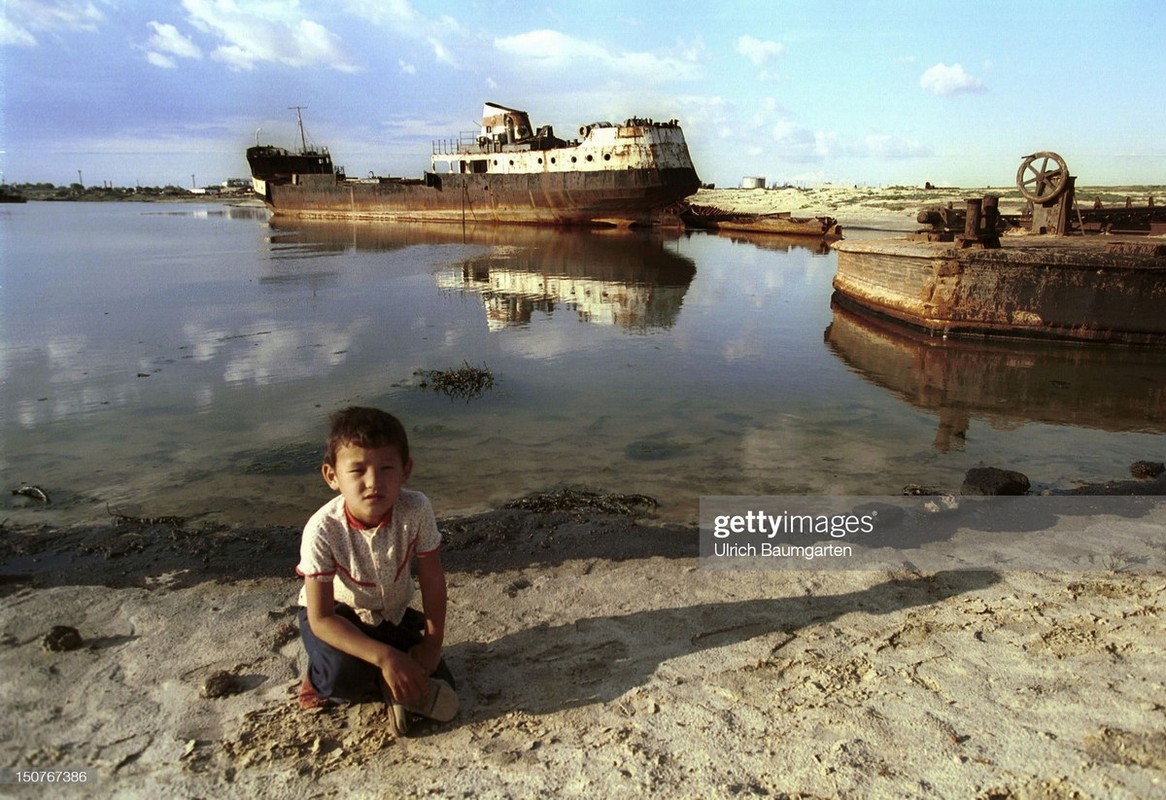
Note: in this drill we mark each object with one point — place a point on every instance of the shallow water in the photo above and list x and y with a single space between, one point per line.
182 360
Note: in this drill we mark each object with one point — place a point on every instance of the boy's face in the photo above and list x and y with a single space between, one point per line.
369 479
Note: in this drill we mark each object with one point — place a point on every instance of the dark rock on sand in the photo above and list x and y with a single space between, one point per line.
1147 469
62 638
994 481
221 684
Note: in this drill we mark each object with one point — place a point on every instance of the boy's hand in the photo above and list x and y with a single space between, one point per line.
427 655
406 679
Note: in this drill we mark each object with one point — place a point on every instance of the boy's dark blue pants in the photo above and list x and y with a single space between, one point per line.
334 673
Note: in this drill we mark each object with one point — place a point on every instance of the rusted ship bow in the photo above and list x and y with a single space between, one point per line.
508 172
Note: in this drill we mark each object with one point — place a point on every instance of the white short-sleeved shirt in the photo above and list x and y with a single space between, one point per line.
368 568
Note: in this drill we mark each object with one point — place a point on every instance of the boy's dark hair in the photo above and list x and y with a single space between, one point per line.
366 427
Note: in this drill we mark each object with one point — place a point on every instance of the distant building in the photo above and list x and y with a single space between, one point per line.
753 183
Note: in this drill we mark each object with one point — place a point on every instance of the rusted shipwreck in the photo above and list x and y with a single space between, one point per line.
1045 283
506 172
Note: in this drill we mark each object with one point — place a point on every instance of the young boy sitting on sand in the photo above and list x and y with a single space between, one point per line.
359 632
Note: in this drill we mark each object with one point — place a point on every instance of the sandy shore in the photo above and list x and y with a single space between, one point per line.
596 659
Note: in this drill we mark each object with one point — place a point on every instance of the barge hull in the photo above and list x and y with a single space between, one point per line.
1081 290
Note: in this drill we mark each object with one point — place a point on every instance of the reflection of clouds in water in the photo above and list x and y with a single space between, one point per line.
204 342
549 344
67 356
288 354
67 375
742 348
66 363
26 413
204 396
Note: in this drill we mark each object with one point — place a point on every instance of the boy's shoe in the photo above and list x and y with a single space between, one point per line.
440 704
308 699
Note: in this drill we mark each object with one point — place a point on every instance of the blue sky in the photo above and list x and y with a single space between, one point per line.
873 93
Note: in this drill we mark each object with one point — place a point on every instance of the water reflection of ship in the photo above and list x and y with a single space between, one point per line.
630 280
1009 383
303 237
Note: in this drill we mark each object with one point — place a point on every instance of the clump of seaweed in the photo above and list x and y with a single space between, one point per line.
577 499
461 382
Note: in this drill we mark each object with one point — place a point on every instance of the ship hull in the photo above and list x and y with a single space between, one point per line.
564 198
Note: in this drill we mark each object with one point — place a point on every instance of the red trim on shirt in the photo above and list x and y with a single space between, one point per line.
357 525
315 574
404 565
354 580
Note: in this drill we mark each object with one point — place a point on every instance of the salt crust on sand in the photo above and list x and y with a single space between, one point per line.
596 660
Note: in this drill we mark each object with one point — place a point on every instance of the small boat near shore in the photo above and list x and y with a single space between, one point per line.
507 172
781 223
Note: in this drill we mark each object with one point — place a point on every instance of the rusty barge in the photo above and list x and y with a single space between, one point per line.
1041 284
507 172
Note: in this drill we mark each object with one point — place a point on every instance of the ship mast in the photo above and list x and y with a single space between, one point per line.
300 120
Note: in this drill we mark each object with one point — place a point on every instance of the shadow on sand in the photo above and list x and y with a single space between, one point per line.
550 668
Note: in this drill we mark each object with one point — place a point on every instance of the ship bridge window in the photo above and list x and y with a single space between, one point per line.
478 165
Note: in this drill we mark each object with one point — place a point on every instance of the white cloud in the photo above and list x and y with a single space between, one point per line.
167 40
879 146
397 14
441 52
551 47
254 31
21 20
408 69
15 35
758 51
885 146
442 35
555 50
159 60
945 81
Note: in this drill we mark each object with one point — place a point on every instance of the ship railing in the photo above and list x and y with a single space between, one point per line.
464 142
